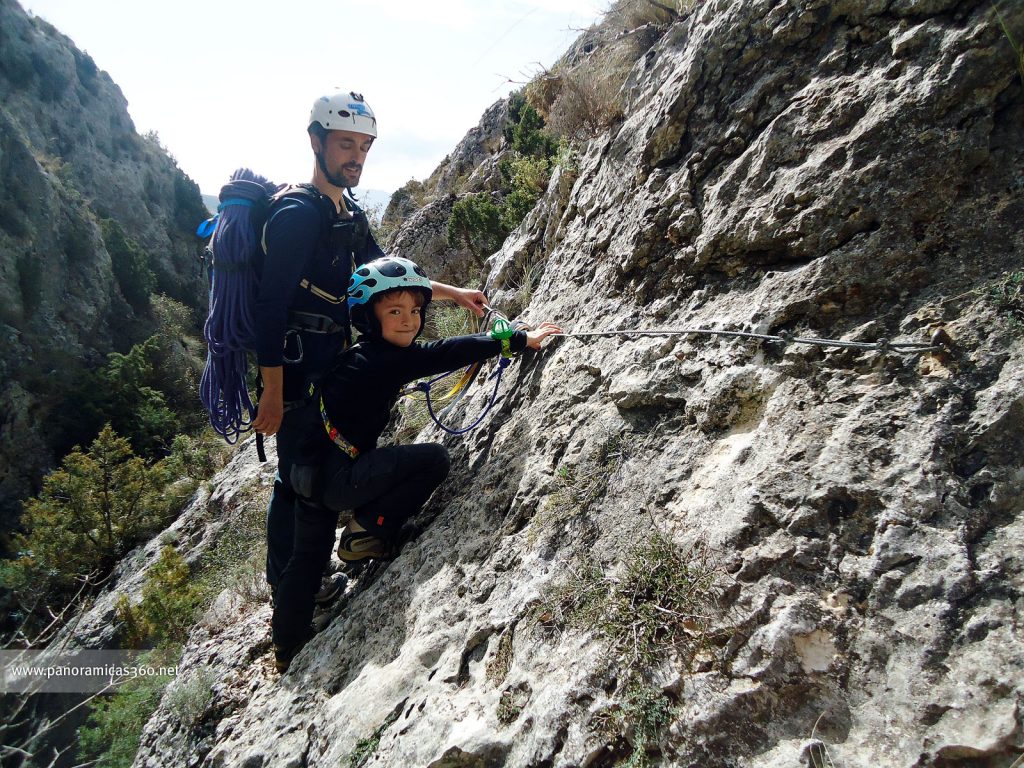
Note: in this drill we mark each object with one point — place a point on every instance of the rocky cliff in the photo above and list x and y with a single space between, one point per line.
70 159
702 550
420 210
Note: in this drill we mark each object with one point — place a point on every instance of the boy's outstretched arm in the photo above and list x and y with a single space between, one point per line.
434 357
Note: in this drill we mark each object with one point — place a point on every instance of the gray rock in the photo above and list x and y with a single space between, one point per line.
841 170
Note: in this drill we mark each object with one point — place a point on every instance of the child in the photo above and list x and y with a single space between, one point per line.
385 486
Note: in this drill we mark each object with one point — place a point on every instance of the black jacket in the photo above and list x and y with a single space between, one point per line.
299 246
362 385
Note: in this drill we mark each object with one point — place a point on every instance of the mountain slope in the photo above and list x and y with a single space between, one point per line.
70 159
695 550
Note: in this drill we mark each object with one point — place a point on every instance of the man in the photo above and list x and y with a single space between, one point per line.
301 312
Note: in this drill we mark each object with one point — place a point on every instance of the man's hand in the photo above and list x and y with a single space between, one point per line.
470 299
474 301
270 410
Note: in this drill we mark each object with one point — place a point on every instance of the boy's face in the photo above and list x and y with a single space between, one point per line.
399 315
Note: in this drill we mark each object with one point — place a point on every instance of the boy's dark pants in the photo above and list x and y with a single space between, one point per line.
384 487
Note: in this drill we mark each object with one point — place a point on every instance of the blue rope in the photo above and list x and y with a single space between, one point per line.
230 328
424 386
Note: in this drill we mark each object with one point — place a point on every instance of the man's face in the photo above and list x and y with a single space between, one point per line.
342 155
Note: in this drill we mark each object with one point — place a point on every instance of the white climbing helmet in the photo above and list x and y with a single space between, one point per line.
344 111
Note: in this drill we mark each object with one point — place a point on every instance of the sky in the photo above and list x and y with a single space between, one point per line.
227 83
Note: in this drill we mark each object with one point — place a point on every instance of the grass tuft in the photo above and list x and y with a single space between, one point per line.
1008 297
662 602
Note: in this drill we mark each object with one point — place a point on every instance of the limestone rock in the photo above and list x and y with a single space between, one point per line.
846 170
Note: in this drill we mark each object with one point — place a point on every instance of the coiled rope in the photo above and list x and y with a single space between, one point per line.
230 328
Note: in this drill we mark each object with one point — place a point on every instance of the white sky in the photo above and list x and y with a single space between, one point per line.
228 83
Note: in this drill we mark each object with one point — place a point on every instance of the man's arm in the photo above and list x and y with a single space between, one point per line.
473 300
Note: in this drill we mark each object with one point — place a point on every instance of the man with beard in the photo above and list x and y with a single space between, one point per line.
313 242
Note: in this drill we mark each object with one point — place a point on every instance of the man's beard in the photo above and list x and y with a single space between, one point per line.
344 179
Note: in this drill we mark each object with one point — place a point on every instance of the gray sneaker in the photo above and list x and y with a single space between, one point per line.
330 587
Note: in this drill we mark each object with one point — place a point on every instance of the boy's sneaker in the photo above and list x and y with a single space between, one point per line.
331 586
357 545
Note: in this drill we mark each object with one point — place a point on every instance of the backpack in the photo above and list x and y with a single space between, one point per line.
235 252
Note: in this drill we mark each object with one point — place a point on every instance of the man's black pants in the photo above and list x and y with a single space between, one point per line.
384 488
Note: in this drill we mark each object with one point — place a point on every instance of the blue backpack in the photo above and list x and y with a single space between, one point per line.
235 250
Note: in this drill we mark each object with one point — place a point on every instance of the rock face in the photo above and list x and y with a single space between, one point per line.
845 170
423 209
69 157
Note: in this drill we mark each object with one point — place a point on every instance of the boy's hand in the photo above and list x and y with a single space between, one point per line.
536 337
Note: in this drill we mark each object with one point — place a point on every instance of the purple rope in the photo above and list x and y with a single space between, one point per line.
230 328
424 386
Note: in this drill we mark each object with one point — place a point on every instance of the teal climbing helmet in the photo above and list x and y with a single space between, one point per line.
380 276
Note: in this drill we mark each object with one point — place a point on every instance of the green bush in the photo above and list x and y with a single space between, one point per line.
663 603
134 403
476 223
526 177
30 282
189 209
1008 297
98 505
130 265
148 395
524 130
77 236
188 701
52 81
480 223
169 603
114 729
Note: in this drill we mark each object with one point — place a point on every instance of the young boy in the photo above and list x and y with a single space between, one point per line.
345 469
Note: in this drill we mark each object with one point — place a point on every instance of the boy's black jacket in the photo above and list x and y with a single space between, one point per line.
363 383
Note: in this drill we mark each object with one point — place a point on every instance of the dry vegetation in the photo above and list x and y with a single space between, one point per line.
581 95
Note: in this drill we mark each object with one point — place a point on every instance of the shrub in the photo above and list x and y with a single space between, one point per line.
584 105
90 511
476 223
365 749
1008 297
227 562
643 713
189 208
524 131
148 395
663 602
30 282
114 729
15 64
130 265
169 603
188 700
134 404
52 81
479 221
87 70
77 234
